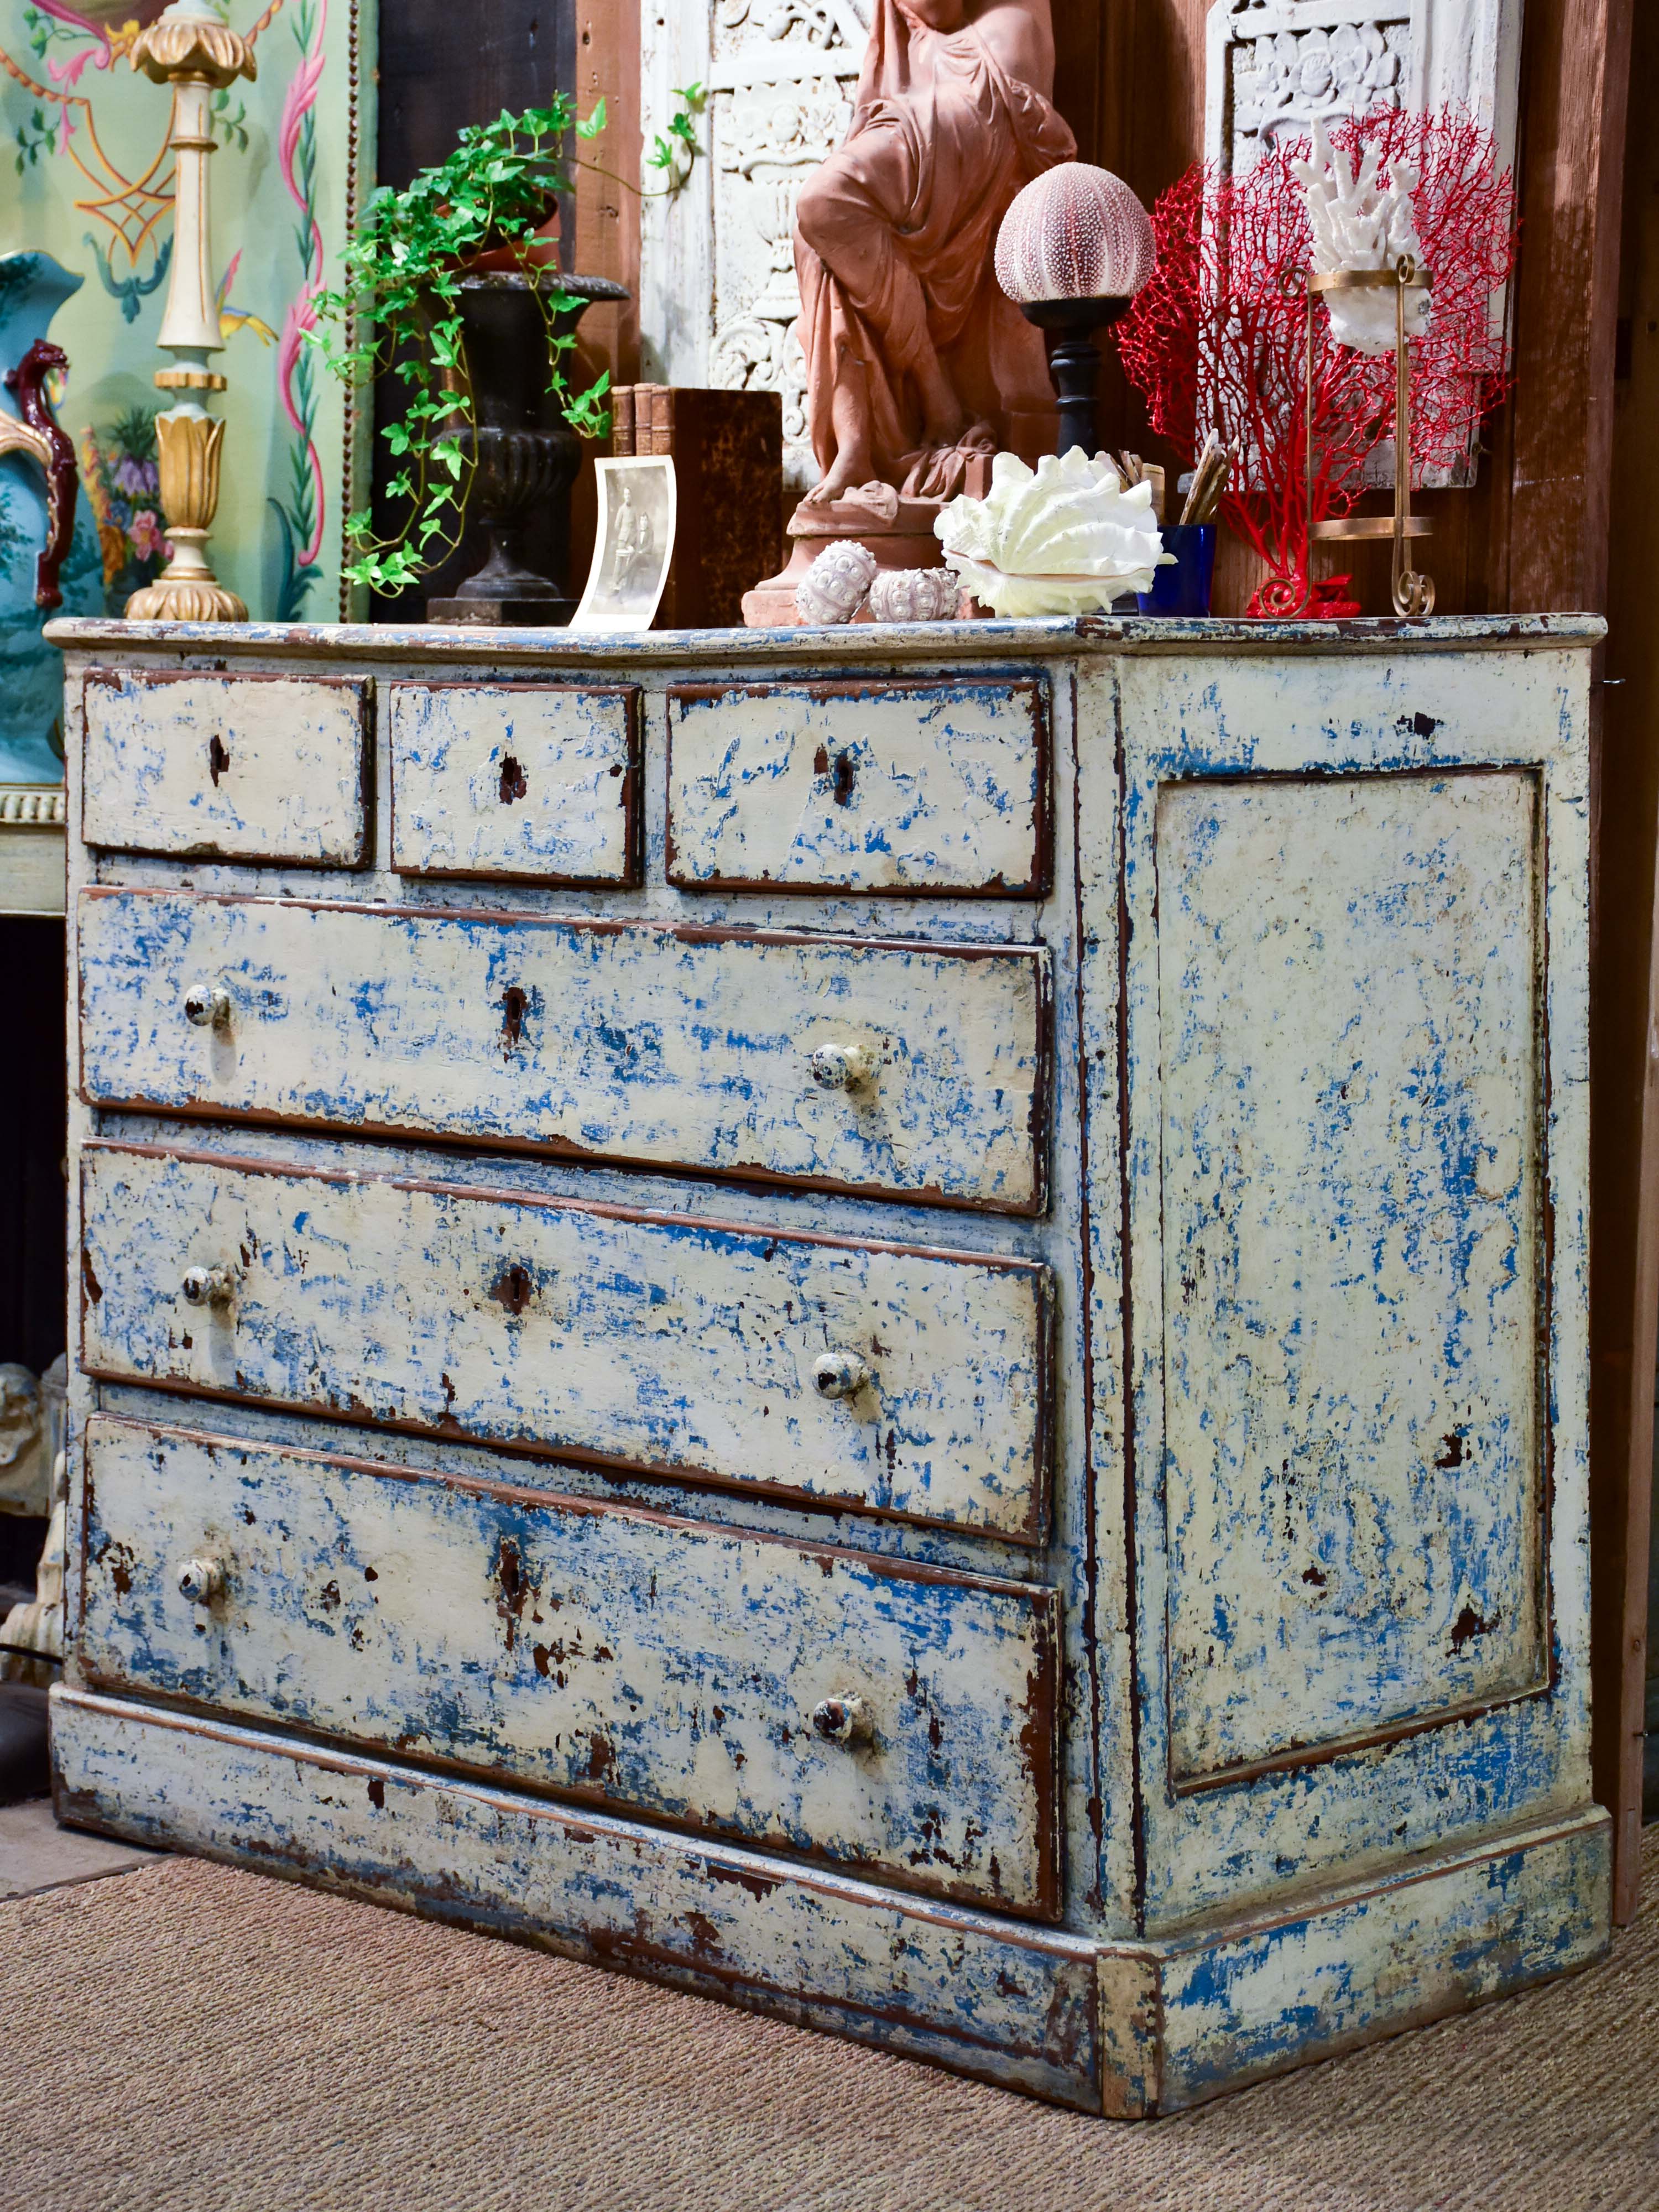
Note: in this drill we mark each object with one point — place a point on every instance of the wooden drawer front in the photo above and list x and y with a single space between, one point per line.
688 1049
538 781
669 1346
604 1652
229 768
865 787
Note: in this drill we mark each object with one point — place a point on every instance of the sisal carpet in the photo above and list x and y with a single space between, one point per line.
204 2040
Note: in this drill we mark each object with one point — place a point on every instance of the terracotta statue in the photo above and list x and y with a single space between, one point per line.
913 356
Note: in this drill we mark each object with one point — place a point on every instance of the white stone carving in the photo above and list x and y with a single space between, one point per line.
1274 68
718 301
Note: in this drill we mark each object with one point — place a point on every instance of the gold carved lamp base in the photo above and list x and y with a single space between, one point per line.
191 444
190 48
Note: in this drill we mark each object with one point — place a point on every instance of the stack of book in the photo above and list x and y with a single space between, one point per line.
727 451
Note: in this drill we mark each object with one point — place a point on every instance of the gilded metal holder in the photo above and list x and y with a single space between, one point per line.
190 48
1412 591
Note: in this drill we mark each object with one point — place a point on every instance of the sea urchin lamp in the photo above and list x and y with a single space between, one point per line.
1075 247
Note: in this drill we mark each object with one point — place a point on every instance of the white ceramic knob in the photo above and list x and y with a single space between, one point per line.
845 1721
842 1067
209 1286
207 1005
201 1581
839 1374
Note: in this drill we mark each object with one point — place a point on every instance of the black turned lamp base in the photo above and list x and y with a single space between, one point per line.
1070 326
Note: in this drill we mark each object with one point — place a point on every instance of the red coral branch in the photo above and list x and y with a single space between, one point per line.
1217 337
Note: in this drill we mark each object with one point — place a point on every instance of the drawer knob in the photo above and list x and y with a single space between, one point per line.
843 1720
201 1581
842 1067
840 1374
207 1005
208 1287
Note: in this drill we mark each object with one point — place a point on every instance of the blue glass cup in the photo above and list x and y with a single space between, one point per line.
1184 588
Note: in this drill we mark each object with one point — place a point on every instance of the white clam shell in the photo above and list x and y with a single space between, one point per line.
837 584
916 595
1063 538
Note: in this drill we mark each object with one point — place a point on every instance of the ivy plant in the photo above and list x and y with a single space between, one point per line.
397 312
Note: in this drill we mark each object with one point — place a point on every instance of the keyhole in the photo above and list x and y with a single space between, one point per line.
845 772
513 1003
512 781
514 1288
218 759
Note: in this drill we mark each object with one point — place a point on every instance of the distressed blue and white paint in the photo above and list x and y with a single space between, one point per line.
1282 857
619 1655
636 1043
1352 1216
530 782
676 1345
871 787
235 768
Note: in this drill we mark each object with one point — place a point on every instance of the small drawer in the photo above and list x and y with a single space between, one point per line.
531 782
884 787
893 1381
880 1067
900 1720
228 768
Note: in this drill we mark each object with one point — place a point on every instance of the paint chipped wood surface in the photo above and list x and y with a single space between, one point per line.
1413 1849
1352 1210
875 787
535 781
607 1652
248 768
682 1346
679 1048
1126 2029
992 1996
1417 1248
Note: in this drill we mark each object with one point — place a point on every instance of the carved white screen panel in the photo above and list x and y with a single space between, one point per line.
1274 68
718 300
1352 1206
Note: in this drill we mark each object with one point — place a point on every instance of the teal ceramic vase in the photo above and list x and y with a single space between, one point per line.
33 288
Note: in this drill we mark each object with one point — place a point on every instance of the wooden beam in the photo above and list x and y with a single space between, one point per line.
1625 1288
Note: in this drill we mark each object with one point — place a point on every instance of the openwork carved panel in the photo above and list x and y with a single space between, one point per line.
718 302
1276 67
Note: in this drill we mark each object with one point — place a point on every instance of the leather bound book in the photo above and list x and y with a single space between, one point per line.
727 451
621 419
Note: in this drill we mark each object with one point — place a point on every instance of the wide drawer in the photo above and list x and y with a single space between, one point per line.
693 1672
905 1383
864 786
536 783
905 1069
230 768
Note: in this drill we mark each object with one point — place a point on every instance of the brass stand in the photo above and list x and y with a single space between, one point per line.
190 48
1412 592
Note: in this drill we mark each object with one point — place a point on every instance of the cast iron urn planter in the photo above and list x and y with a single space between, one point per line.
526 454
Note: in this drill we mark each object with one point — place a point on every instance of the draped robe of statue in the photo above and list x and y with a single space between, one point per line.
913 353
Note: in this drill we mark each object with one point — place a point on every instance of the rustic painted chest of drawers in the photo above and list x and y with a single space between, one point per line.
890 1323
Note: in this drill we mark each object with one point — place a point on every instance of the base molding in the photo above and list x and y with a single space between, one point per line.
1128 2030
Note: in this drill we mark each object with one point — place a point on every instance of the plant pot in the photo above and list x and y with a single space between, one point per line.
1185 588
527 455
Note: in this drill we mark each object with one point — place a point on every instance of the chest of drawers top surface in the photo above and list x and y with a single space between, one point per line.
954 1255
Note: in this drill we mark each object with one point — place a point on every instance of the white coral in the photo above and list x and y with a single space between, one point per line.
1358 223
1063 538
